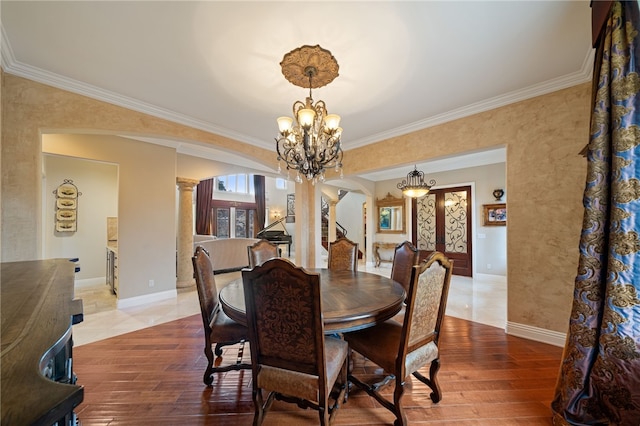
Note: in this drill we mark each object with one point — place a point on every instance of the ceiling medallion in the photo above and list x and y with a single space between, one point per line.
311 143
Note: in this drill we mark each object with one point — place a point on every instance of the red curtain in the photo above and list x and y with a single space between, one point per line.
204 197
258 185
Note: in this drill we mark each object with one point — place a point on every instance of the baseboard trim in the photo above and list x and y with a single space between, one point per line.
491 277
89 282
542 335
147 298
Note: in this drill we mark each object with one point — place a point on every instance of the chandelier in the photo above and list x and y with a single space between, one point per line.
311 143
415 186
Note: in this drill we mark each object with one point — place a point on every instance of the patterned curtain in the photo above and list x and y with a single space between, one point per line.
599 381
204 196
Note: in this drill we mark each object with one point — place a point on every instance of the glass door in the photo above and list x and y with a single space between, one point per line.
442 222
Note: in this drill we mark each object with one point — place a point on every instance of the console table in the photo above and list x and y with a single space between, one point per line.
38 310
383 252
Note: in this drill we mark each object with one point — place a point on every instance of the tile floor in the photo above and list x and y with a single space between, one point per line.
481 299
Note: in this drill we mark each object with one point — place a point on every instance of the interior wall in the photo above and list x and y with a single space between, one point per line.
146 206
349 214
489 243
98 184
30 109
545 177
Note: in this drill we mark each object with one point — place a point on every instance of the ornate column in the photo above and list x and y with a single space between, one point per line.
185 232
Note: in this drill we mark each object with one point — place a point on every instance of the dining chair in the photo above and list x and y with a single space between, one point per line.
260 251
218 327
405 256
292 360
401 349
343 255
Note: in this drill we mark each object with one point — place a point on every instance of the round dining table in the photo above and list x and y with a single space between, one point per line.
351 300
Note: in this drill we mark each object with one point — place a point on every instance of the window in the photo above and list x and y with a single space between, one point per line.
281 183
240 183
234 222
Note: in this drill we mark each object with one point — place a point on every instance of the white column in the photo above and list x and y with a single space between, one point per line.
185 232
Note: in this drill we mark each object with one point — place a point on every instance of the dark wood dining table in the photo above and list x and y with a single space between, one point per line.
350 300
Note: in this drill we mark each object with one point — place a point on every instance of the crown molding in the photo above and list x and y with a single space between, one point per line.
12 66
564 82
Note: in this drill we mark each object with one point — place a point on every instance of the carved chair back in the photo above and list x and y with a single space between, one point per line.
286 333
284 316
343 255
261 251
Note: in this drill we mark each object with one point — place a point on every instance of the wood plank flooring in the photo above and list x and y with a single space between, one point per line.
154 376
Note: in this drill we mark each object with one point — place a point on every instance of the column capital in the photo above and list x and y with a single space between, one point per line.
186 183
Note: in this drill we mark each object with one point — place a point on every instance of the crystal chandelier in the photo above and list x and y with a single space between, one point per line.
311 143
415 186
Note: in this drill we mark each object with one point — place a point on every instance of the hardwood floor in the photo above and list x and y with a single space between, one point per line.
154 376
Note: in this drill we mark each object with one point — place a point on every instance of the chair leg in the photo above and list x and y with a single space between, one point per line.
258 414
323 413
208 372
432 381
401 417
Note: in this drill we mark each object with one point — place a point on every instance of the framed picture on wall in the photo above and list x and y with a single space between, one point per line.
291 208
495 214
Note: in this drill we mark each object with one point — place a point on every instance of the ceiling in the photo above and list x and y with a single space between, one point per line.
214 65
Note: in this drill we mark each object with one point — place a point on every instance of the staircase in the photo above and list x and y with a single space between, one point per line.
341 232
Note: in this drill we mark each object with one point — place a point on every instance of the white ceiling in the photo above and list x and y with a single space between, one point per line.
214 65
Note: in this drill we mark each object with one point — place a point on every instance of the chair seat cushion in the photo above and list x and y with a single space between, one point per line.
305 385
381 344
224 329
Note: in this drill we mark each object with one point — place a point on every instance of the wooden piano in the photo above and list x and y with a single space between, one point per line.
276 233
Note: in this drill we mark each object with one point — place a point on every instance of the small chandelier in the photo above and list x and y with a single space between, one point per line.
415 186
311 144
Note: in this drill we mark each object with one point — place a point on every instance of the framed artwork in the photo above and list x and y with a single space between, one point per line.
66 206
495 214
291 208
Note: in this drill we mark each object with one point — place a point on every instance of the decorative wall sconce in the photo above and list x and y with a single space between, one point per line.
498 193
276 214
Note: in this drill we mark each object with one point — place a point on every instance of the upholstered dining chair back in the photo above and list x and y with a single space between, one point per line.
343 255
292 359
218 328
405 256
261 251
402 349
426 302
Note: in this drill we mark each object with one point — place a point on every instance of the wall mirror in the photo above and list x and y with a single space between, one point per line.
391 217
